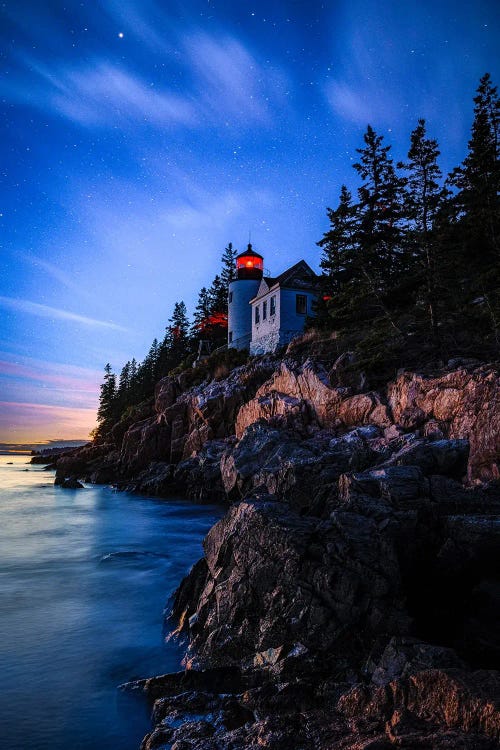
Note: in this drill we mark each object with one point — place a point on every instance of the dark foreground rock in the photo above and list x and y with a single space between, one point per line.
431 708
371 624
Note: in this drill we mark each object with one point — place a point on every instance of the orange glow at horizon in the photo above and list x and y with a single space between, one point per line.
27 422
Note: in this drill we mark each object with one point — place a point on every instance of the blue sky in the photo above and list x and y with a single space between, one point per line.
139 138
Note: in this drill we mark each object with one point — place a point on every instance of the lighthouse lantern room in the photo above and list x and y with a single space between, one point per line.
249 265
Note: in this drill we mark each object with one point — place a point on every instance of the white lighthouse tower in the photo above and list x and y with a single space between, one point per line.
243 288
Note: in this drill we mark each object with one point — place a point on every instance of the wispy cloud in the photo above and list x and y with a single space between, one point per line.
66 279
101 94
229 80
349 103
209 79
58 375
45 311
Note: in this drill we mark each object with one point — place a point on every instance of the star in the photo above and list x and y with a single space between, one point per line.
120 34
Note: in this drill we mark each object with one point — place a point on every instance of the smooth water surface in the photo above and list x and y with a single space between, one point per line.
84 579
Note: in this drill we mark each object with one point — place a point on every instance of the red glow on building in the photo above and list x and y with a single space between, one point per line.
326 297
216 319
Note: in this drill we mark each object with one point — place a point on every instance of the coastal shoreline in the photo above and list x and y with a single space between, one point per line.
332 575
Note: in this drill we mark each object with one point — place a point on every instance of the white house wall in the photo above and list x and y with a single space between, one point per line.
279 329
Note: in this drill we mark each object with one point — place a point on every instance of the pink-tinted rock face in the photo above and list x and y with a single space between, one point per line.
290 410
461 404
303 394
185 420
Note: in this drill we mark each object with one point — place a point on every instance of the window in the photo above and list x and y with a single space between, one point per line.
230 337
301 304
257 315
272 310
264 310
230 297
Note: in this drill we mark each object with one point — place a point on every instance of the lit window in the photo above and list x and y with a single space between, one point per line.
230 297
264 310
301 304
230 337
257 315
272 310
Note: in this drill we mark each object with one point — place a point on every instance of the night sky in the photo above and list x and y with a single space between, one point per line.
140 137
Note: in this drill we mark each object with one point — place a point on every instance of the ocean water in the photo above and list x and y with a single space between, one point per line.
84 579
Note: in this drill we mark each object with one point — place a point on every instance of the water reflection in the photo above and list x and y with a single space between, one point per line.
84 576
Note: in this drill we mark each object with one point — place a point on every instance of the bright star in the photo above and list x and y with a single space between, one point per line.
120 34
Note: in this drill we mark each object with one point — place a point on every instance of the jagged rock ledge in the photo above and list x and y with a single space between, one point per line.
350 598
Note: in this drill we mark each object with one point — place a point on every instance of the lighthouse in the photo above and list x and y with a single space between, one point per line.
243 288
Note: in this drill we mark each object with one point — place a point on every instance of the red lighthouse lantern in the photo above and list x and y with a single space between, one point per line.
249 264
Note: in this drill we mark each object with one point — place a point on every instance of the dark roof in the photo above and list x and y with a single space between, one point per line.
290 274
250 251
291 279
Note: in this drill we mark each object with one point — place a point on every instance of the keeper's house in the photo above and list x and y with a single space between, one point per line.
266 312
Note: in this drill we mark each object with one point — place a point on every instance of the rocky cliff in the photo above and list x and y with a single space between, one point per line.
350 598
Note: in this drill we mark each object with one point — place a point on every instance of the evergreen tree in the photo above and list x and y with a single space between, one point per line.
107 404
379 213
153 355
339 248
177 333
216 330
123 390
201 311
134 384
375 280
146 373
478 179
338 243
218 297
228 271
477 220
424 198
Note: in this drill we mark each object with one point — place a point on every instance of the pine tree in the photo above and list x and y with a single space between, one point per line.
201 311
154 353
228 271
218 297
424 198
477 218
217 329
478 179
338 243
146 373
378 271
107 404
177 333
123 390
379 210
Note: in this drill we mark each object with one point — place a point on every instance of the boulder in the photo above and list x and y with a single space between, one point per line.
281 409
464 404
294 579
71 483
435 698
292 468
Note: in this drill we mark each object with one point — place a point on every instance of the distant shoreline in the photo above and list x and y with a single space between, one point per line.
15 453
26 449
